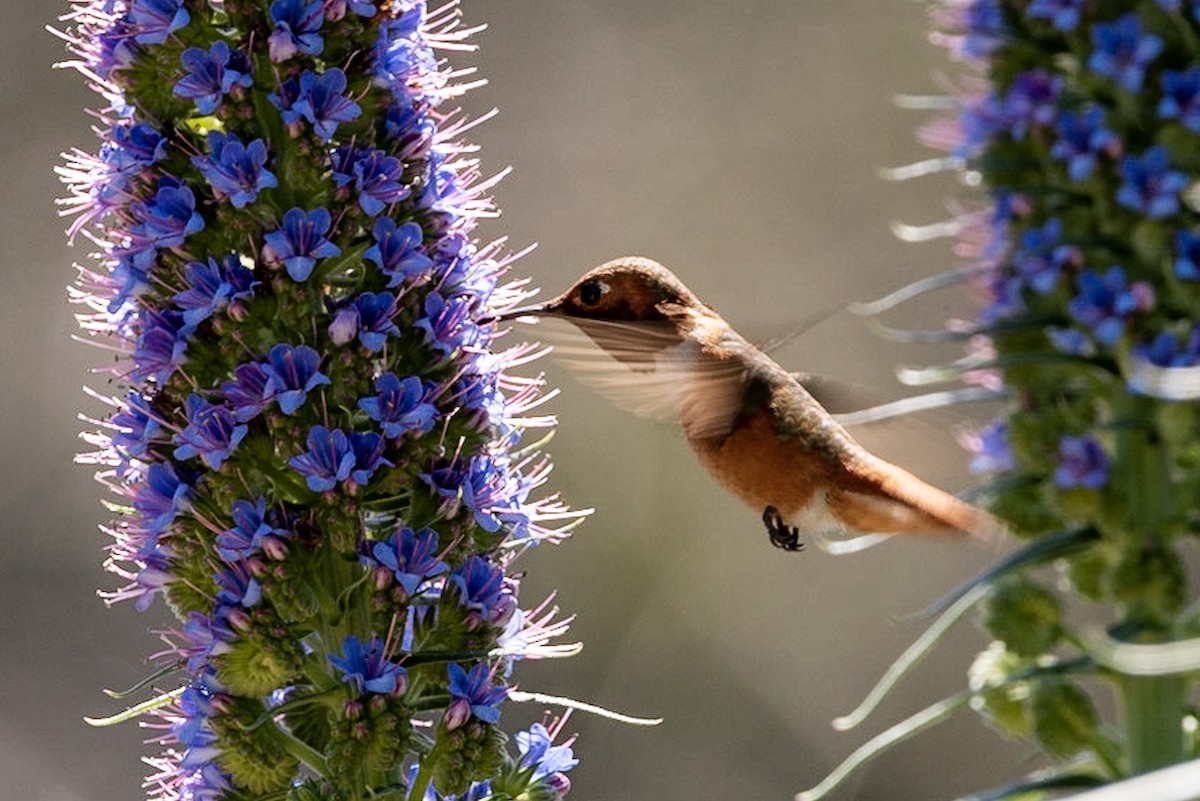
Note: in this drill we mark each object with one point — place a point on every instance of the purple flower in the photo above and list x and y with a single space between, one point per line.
539 752
366 669
474 694
447 323
375 313
1063 14
985 28
368 455
992 451
170 217
134 147
155 20
489 491
160 498
160 346
1121 52
1031 101
235 170
1151 186
395 250
211 285
247 394
285 99
292 372
1106 301
410 556
328 460
412 129
400 54
212 432
1181 97
376 175
321 102
238 587
1081 140
336 9
1041 257
250 531
1167 351
301 241
1082 463
481 590
1071 341
211 76
399 407
1187 255
137 425
131 275
296 26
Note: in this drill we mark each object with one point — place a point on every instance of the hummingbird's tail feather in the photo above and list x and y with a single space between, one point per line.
897 502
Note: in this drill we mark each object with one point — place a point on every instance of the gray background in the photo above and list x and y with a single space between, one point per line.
736 142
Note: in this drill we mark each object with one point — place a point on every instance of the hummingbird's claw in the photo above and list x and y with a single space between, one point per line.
782 535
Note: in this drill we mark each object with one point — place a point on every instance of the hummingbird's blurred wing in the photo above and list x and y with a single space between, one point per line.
646 368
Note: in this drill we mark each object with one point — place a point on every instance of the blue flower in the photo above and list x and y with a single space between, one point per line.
1106 301
400 54
247 394
395 250
296 26
476 692
539 752
1081 140
134 147
481 589
1041 257
367 670
1167 351
1063 14
211 76
336 9
489 491
1031 101
212 432
161 497
1071 341
160 347
1121 52
376 175
301 241
447 323
1150 186
410 556
131 277
238 587
321 102
170 217
328 460
155 20
137 425
235 170
983 21
1181 97
285 99
211 285
368 455
375 313
250 531
1082 463
992 451
1187 255
412 129
292 372
399 407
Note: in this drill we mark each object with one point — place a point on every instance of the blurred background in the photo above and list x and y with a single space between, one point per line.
738 143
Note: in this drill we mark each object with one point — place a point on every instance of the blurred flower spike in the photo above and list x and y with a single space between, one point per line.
281 209
1072 125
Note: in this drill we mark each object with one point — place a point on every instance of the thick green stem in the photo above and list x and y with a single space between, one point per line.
1153 709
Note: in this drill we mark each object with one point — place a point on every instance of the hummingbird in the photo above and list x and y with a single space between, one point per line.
657 350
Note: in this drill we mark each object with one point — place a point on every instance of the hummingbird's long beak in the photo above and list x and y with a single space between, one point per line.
550 307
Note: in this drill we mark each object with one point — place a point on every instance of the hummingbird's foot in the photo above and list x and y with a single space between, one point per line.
782 535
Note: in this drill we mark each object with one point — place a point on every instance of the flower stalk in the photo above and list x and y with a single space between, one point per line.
316 446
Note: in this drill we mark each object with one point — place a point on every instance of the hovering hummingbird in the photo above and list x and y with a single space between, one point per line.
655 349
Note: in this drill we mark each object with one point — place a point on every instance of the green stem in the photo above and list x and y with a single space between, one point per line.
1153 707
421 783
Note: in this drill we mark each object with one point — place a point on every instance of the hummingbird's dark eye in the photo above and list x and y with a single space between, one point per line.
590 292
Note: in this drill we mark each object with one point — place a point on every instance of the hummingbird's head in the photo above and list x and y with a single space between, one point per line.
628 289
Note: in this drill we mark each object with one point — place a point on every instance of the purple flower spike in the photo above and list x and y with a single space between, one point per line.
212 432
296 26
399 407
321 102
368 456
395 250
1082 463
477 692
211 76
291 374
155 20
235 170
367 670
1151 186
410 555
301 241
328 460
1122 52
